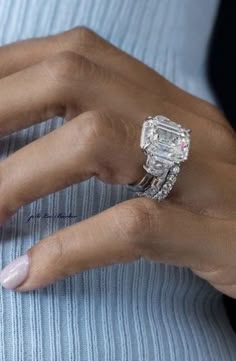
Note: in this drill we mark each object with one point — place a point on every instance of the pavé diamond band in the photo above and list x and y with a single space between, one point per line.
166 144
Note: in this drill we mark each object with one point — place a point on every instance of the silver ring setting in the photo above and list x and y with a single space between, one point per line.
166 144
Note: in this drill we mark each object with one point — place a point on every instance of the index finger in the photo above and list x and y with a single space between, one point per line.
85 42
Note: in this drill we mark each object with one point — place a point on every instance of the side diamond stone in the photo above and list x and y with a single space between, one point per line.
154 166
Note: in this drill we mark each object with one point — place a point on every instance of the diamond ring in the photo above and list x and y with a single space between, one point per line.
166 144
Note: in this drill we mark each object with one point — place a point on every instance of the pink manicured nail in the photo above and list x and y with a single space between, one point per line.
15 272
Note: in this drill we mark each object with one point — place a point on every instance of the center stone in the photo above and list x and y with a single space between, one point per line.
165 139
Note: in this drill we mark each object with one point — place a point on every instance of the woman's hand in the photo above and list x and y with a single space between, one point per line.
105 95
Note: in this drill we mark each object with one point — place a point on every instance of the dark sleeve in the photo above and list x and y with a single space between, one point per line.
221 67
221 71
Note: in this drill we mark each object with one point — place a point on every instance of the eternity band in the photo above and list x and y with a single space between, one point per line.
166 144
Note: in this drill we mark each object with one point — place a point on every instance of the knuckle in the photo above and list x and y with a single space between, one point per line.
88 135
84 34
97 124
147 228
90 129
66 66
62 64
82 39
97 137
137 220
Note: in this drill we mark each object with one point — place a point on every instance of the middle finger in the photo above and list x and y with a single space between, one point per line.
93 144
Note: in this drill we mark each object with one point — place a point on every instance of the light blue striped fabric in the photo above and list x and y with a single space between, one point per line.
142 311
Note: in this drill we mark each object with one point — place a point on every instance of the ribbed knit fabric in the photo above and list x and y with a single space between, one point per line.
142 311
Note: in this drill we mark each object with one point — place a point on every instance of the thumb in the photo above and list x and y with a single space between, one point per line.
138 227
97 241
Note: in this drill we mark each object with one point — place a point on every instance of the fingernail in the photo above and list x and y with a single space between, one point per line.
15 272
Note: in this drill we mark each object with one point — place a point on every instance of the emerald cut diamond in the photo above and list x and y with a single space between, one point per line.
165 140
166 144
